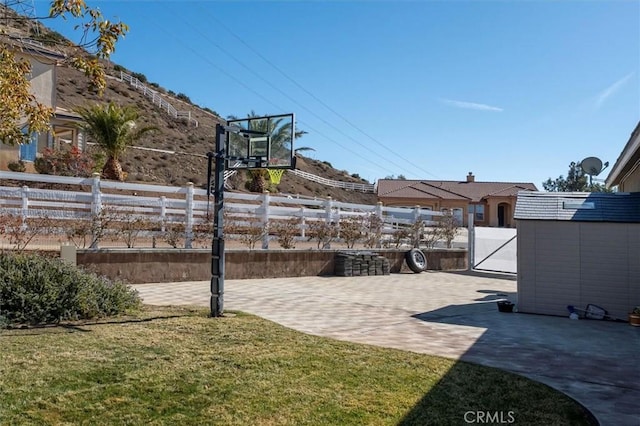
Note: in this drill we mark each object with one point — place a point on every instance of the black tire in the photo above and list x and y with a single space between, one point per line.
416 260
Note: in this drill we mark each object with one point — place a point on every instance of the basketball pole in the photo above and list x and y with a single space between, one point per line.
217 245
216 301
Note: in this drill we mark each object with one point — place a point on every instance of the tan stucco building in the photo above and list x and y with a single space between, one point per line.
492 203
63 130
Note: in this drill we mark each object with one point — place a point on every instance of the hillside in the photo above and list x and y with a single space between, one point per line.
189 142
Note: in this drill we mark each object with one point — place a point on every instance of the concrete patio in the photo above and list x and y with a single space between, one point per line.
447 314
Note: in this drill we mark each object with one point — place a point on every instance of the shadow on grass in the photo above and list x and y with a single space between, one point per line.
78 326
471 395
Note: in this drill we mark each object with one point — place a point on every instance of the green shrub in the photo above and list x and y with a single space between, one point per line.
141 77
39 290
183 97
17 166
64 162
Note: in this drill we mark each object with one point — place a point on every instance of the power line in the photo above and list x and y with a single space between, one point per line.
226 52
292 80
240 82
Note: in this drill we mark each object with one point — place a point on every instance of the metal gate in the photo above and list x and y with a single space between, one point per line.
495 249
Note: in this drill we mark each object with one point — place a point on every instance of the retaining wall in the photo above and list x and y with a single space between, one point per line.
168 265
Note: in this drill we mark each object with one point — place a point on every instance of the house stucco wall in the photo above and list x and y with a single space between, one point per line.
8 154
491 211
563 263
433 204
631 183
42 85
490 208
42 80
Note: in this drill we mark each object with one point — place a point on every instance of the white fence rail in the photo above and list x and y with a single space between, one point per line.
157 99
362 187
185 205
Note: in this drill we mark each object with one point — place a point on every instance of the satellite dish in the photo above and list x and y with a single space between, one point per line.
591 166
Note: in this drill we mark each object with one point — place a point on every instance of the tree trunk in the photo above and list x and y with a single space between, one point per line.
258 181
112 170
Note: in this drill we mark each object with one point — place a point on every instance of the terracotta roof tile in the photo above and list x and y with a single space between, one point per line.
449 190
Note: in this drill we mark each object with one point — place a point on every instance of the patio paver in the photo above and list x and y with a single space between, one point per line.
447 314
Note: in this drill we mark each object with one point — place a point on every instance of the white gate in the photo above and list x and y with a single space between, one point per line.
495 249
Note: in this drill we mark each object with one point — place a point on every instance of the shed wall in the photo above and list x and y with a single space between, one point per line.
564 263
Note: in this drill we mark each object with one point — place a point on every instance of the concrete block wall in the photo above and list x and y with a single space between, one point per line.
167 265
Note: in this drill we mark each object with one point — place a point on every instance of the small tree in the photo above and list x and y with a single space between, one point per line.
373 231
324 233
416 233
576 181
286 231
130 227
248 231
351 230
20 233
253 233
399 236
89 232
174 234
203 233
448 227
79 232
432 236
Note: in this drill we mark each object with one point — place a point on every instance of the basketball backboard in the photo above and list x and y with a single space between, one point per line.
261 142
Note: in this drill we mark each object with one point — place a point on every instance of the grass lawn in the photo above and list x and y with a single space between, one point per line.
177 366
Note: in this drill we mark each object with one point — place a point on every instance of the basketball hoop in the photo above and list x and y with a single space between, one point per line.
275 175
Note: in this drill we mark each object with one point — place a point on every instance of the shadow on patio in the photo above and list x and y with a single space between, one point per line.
586 359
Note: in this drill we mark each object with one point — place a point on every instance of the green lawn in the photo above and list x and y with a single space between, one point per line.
177 366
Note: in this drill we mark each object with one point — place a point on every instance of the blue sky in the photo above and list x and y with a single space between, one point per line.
510 90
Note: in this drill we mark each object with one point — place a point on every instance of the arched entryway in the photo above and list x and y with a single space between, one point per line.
504 215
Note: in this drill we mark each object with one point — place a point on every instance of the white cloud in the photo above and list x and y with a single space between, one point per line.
471 105
611 90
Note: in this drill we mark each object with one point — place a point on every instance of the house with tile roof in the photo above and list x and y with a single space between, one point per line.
625 174
63 129
492 203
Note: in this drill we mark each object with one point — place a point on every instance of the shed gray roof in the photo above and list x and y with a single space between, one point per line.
579 206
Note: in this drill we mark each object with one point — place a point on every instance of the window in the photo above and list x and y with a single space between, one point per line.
478 212
28 150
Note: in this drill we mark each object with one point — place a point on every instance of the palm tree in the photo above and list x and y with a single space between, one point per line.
113 128
281 145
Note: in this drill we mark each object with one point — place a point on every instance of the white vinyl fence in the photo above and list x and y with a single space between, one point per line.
187 206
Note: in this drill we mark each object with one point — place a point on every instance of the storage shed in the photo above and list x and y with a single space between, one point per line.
578 249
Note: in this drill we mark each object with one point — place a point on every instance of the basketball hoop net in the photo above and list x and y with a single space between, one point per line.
275 175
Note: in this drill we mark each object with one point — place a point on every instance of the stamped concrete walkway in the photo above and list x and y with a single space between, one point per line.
448 314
